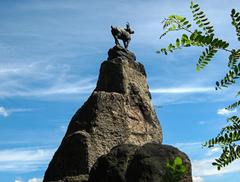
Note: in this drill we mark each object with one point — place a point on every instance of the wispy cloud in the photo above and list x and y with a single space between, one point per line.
181 94
204 167
63 89
3 112
24 159
58 91
18 180
202 160
7 112
191 94
213 151
189 144
226 112
30 180
35 180
198 179
182 90
40 5
46 80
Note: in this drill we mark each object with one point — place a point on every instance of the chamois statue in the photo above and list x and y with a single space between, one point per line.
123 34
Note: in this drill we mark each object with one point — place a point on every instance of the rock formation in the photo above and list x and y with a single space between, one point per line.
119 111
131 163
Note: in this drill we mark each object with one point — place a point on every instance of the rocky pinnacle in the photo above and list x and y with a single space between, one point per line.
119 111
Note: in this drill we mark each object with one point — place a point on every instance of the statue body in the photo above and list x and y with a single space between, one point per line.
123 34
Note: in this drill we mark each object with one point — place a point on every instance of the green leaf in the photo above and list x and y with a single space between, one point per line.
186 22
178 43
182 20
229 137
201 20
233 58
238 94
205 58
200 13
189 25
230 78
233 106
236 22
195 6
178 161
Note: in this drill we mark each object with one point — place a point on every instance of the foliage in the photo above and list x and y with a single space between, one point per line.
204 37
174 170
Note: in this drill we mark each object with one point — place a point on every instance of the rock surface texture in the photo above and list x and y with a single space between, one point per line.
119 111
131 163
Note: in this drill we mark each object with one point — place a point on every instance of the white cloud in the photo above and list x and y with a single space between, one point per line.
226 112
204 167
7 112
75 88
24 155
182 90
202 159
24 159
198 179
18 180
3 112
189 144
46 81
191 94
54 91
35 180
213 151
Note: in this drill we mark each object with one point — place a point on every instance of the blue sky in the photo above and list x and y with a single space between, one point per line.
50 54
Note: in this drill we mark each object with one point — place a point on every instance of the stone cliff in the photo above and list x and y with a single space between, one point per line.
119 111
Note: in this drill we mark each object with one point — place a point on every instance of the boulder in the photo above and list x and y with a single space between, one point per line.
132 163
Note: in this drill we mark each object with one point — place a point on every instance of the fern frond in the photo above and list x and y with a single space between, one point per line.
174 23
236 21
208 40
200 19
226 139
184 41
228 135
234 127
233 106
233 58
200 40
230 78
234 119
206 57
220 44
230 153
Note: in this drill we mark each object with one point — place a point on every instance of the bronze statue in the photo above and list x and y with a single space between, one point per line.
123 34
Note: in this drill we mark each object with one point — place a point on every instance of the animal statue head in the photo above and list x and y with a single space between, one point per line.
123 34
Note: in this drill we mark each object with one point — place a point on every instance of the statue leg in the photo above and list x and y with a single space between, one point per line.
126 44
116 40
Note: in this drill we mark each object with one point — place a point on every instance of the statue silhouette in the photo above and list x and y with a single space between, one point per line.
123 34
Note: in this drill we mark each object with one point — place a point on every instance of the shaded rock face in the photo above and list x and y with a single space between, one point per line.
118 51
119 111
132 163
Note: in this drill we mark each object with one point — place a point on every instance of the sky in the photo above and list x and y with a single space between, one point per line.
50 55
